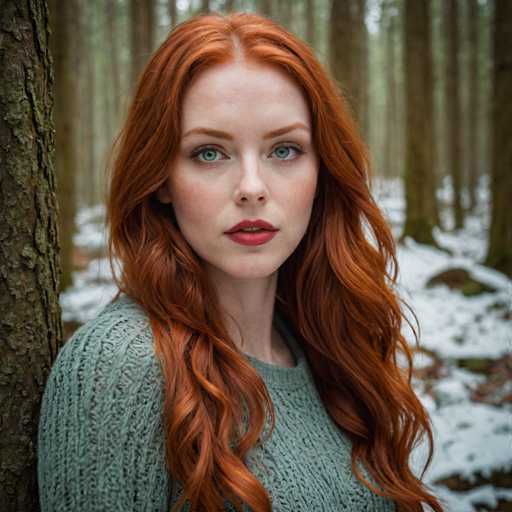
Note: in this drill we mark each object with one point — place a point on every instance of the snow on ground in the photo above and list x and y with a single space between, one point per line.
470 437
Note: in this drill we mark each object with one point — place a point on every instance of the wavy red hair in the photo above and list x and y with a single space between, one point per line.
336 288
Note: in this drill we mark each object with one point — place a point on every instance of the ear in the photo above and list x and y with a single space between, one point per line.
163 194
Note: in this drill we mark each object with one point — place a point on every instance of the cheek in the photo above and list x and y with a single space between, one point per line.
301 196
196 202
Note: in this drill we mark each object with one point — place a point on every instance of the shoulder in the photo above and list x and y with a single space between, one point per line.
112 352
100 438
120 333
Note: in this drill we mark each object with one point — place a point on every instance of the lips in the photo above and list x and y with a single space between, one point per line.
246 223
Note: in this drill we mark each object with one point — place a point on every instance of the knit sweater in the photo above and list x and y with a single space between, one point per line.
101 442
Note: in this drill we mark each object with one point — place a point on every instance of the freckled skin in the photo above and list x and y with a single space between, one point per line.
246 100
245 178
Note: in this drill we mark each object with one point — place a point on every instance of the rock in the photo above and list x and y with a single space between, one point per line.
460 279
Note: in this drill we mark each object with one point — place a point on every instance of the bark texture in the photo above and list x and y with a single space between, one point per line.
30 325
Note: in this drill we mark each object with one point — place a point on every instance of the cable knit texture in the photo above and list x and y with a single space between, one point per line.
101 443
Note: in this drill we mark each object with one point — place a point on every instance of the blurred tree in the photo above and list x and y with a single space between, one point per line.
473 104
115 74
64 44
85 92
362 67
420 199
453 113
88 93
142 40
30 324
389 26
348 54
341 48
265 7
284 13
499 255
173 13
310 23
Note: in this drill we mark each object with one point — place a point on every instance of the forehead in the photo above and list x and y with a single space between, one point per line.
247 91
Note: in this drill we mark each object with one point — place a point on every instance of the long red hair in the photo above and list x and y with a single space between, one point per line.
336 289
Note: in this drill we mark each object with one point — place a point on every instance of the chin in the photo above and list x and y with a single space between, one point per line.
250 271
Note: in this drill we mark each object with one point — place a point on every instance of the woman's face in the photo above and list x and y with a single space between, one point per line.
242 171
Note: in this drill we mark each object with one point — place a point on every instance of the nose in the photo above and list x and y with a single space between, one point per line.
251 186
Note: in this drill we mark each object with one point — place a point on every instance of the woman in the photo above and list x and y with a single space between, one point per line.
163 399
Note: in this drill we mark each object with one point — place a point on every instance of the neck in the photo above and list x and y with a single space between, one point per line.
248 306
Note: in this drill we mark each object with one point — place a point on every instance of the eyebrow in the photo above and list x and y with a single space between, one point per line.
225 135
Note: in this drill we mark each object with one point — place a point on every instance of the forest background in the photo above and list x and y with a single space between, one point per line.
429 83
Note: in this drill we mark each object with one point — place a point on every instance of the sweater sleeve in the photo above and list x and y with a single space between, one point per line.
100 438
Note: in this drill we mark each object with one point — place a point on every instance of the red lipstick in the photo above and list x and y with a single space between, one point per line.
246 223
264 232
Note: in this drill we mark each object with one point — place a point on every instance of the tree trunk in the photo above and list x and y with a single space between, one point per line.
265 7
348 53
341 48
230 5
114 73
391 151
362 69
66 65
453 114
142 21
473 104
90 159
173 13
418 176
310 23
499 255
30 324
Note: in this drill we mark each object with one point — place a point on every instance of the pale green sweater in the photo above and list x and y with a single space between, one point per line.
101 443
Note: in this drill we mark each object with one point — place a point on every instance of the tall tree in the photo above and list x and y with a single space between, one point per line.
499 255
205 6
473 103
30 324
87 120
453 114
390 141
63 18
142 31
341 47
348 54
310 23
173 13
362 67
419 149
265 7
115 73
285 14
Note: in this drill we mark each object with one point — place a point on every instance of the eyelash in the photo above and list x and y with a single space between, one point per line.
194 155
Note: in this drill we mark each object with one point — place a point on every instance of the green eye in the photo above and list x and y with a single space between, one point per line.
283 151
208 154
